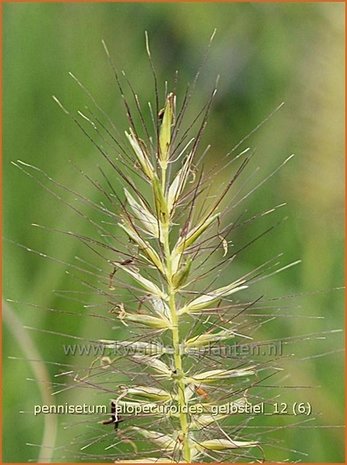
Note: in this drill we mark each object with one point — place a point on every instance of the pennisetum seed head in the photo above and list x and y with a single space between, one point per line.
182 377
176 392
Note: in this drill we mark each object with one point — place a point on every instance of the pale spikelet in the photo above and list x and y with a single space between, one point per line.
141 154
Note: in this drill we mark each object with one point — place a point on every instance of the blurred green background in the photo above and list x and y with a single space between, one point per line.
265 54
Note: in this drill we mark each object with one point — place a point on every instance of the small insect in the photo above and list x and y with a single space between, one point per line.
126 262
201 392
115 419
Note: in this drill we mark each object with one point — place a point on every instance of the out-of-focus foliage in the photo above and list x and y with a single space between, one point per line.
265 54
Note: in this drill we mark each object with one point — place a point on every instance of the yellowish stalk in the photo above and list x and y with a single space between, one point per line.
182 403
163 178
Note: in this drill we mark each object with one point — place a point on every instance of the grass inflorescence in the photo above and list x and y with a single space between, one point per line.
184 382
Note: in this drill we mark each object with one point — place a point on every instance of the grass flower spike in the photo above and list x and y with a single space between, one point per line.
167 248
154 215
177 232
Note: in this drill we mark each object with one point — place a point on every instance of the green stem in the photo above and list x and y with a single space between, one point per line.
182 403
163 178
